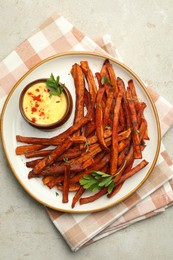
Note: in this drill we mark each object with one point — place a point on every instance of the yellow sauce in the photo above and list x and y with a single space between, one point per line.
41 108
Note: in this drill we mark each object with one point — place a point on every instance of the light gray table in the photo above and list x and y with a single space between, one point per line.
143 33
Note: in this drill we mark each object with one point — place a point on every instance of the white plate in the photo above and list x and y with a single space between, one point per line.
12 123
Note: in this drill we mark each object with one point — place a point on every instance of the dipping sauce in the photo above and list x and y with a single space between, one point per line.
41 109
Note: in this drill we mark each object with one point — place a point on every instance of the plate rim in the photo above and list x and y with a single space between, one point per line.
94 54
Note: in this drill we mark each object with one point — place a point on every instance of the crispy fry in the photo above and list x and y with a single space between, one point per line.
141 112
47 179
48 160
122 145
93 197
72 129
66 184
90 80
24 149
115 191
121 85
98 76
126 112
33 140
55 181
114 152
78 77
72 187
134 94
134 170
142 129
104 73
78 139
41 153
57 169
99 119
77 196
69 154
104 161
112 76
87 163
31 164
107 133
108 106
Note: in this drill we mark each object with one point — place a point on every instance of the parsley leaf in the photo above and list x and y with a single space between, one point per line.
54 86
104 79
65 159
98 180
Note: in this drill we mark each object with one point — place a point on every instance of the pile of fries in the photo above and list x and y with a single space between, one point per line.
108 134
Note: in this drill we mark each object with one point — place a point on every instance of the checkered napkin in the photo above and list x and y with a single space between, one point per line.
57 35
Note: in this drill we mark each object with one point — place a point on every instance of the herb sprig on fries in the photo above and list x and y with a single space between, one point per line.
54 86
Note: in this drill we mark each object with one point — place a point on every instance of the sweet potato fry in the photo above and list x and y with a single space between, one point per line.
133 171
41 153
95 149
140 112
134 94
47 179
99 119
108 106
104 74
31 164
107 133
115 191
114 152
79 83
90 80
24 149
87 163
55 181
119 182
69 154
66 184
72 187
104 161
72 129
126 112
122 145
57 169
93 197
33 140
48 160
142 129
77 196
135 130
98 76
121 86
112 76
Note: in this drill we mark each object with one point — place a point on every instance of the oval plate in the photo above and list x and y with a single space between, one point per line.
12 124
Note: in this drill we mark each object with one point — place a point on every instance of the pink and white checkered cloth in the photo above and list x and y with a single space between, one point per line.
57 35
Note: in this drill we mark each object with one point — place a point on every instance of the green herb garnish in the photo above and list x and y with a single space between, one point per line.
86 145
65 159
56 193
107 127
98 180
54 86
105 80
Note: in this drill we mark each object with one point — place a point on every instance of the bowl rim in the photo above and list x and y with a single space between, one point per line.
54 125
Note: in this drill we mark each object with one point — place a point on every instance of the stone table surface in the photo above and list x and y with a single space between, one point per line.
143 33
